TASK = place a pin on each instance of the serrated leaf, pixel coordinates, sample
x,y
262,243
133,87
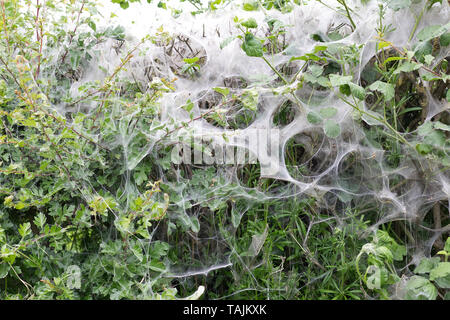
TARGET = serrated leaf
x,y
24,229
40,220
137,251
441,275
222,91
195,224
338,80
252,46
157,266
354,89
441,126
250,23
407,67
422,49
433,31
420,288
384,88
428,59
426,265
4,269
250,6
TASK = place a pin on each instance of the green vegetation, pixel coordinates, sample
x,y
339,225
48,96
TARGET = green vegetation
x,y
92,205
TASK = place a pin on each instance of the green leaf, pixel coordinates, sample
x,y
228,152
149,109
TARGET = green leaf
x,y
432,32
407,67
137,251
384,253
25,229
421,49
441,126
392,59
222,91
252,46
195,224
313,118
4,269
436,138
7,254
328,112
444,40
249,99
316,70
426,265
157,266
40,220
75,59
338,80
354,89
250,23
191,60
425,129
332,129
441,275
250,6
428,59
92,25
384,88
124,5
227,41
420,288
188,106
398,4
423,148
409,110
447,245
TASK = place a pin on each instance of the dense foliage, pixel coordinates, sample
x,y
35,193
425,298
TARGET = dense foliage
x,y
92,207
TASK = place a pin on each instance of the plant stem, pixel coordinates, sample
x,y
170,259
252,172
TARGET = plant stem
x,y
275,70
299,104
418,19
383,121
348,13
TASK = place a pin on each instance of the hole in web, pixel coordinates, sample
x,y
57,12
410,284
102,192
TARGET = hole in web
x,y
285,113
233,115
313,91
308,154
410,98
359,173
439,88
